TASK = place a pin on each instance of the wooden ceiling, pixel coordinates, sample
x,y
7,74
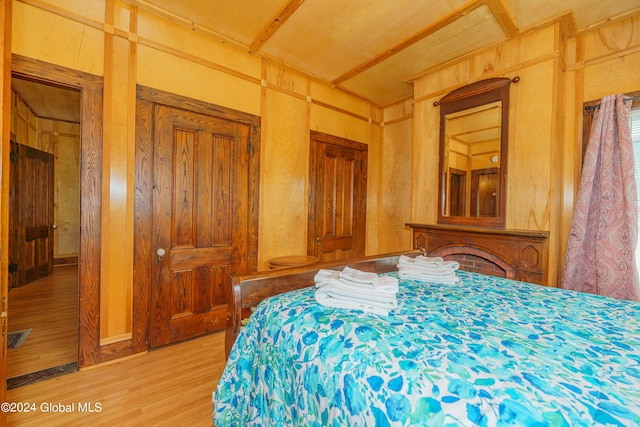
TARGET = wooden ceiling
x,y
372,48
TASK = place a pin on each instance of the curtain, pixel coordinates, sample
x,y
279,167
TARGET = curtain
x,y
600,257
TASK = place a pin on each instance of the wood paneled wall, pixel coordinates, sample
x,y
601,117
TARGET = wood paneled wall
x,y
558,71
128,46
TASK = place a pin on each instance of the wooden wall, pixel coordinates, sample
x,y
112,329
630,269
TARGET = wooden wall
x,y
559,70
128,46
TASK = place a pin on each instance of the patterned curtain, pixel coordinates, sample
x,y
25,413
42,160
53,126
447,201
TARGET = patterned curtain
x,y
600,257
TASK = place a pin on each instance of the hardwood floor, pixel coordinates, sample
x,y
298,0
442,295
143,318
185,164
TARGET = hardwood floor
x,y
170,386
49,306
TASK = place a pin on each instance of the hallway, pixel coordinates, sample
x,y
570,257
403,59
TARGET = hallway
x,y
49,306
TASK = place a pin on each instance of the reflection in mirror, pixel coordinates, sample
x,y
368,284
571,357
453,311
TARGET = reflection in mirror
x,y
473,153
472,161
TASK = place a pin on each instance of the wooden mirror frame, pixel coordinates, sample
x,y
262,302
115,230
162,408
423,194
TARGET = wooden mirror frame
x,y
470,96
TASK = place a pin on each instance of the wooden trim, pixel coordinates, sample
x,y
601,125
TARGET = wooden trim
x,y
65,260
275,24
158,96
502,15
142,247
91,88
438,25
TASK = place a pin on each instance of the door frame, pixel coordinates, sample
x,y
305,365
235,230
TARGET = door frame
x,y
146,99
91,99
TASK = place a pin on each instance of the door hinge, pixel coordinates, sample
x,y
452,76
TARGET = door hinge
x,y
13,268
14,157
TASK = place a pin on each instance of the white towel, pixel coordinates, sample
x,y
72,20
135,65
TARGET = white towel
x,y
361,277
386,284
415,274
355,290
432,271
426,269
339,296
427,263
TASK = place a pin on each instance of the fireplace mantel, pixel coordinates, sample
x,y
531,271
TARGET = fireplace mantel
x,y
515,254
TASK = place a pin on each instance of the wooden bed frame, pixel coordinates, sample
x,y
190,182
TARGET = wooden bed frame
x,y
249,289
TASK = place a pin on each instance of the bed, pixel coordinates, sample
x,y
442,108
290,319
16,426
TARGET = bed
x,y
485,351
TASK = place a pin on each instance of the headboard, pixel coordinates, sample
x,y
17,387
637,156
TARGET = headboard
x,y
249,289
514,254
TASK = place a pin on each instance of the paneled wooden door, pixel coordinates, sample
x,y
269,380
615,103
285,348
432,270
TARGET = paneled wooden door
x,y
337,197
200,194
31,214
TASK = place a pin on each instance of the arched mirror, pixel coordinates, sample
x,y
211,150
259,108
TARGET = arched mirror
x,y
474,133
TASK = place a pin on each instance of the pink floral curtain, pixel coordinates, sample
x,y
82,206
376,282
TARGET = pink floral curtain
x,y
600,257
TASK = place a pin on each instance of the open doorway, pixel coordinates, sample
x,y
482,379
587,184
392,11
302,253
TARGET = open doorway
x,y
44,231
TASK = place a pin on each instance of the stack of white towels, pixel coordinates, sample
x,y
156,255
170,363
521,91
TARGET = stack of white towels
x,y
355,289
428,269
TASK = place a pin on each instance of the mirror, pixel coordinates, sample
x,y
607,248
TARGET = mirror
x,y
473,154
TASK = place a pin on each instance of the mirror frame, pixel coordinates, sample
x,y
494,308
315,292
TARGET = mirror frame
x,y
470,96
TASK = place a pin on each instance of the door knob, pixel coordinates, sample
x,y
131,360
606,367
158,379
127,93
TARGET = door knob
x,y
317,240
161,253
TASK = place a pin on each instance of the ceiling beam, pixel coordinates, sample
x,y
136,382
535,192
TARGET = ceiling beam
x,y
274,25
438,25
502,15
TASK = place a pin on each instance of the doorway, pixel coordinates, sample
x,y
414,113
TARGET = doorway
x,y
44,231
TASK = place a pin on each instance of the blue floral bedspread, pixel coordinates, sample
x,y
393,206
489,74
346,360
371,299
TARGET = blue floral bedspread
x,y
486,351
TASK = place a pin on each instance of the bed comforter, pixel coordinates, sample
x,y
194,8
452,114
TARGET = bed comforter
x,y
486,351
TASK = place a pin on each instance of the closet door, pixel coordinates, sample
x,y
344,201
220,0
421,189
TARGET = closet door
x,y
200,195
337,198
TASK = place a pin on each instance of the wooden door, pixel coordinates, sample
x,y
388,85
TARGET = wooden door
x,y
31,214
200,221
337,198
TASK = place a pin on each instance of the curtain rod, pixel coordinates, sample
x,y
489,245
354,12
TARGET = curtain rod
x,y
593,107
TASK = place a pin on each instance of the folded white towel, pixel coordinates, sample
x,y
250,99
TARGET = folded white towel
x,y
433,271
385,285
358,290
427,260
337,296
431,265
361,277
416,274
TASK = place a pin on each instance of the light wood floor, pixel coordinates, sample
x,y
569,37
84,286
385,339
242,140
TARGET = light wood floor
x,y
49,306
171,386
